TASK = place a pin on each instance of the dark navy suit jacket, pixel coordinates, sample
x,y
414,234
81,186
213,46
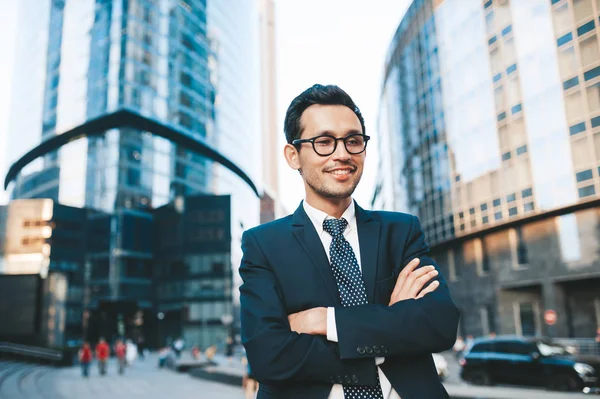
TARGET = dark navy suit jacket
x,y
285,270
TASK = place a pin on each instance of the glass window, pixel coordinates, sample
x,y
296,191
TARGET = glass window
x,y
497,77
512,211
578,128
492,40
482,347
507,30
590,53
595,121
526,193
514,347
567,84
506,156
586,191
564,39
593,95
511,69
501,116
592,73
484,220
522,150
516,108
582,9
498,215
522,256
511,197
472,211
497,202
585,28
584,175
483,207
528,207
487,4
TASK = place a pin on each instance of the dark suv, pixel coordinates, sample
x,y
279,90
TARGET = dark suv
x,y
528,361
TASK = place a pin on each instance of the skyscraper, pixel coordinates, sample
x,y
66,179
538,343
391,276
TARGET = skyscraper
x,y
490,118
123,106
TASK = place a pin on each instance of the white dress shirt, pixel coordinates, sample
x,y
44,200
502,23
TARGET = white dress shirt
x,y
317,218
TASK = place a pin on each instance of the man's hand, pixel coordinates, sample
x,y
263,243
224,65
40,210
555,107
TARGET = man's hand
x,y
312,321
410,282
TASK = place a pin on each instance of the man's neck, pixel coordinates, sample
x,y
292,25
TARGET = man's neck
x,y
332,206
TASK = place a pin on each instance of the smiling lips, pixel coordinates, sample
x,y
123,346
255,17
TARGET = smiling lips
x,y
341,173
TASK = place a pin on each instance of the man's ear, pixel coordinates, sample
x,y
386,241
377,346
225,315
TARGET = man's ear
x,y
291,156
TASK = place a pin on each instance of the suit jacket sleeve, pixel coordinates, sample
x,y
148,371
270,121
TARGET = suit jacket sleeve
x,y
409,327
275,353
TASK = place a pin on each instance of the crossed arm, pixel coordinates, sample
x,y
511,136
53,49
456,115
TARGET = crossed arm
x,y
418,319
275,352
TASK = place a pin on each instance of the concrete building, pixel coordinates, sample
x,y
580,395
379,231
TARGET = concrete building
x,y
490,123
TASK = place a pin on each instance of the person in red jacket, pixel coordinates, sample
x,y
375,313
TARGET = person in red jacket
x,y
85,358
102,353
121,352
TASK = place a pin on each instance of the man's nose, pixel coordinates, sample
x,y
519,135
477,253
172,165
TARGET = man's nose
x,y
341,152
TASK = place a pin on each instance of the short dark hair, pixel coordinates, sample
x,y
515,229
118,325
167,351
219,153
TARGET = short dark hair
x,y
317,94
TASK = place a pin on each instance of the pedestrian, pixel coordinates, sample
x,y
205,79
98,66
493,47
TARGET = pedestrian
x,y
163,355
141,342
102,354
459,346
334,294
195,352
131,352
249,384
85,358
121,353
178,346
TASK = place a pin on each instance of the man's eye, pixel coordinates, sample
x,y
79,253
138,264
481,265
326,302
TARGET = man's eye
x,y
323,142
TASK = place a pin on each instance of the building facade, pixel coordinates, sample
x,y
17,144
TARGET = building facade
x,y
490,126
126,106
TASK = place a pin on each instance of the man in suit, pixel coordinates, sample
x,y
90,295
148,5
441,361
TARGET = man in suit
x,y
339,302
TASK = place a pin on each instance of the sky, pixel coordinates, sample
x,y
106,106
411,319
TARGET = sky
x,y
342,42
8,23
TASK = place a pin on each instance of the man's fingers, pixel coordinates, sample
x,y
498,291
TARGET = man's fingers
x,y
432,287
420,281
404,274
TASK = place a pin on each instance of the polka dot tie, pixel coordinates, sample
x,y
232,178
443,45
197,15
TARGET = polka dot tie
x,y
351,288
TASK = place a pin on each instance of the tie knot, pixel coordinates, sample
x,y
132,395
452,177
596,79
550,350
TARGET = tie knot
x,y
335,227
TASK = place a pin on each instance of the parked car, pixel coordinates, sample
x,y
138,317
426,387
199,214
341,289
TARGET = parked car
x,y
441,366
528,361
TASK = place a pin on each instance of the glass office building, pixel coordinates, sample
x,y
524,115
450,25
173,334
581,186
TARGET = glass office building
x,y
490,126
124,106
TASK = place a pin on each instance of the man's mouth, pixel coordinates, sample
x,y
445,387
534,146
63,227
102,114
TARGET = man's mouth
x,y
341,171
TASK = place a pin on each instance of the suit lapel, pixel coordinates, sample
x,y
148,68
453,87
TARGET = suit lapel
x,y
368,239
307,236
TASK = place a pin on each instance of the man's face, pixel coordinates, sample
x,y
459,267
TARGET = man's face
x,y
334,176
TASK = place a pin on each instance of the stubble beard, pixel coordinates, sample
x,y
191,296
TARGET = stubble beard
x,y
323,191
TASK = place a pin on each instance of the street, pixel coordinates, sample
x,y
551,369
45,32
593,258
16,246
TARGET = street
x,y
144,379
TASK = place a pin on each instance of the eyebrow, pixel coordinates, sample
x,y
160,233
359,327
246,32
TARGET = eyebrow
x,y
329,133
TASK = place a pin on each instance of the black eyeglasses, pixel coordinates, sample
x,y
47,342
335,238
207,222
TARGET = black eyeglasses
x,y
326,145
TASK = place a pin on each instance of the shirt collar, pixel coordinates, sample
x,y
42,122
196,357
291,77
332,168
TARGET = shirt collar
x,y
317,217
